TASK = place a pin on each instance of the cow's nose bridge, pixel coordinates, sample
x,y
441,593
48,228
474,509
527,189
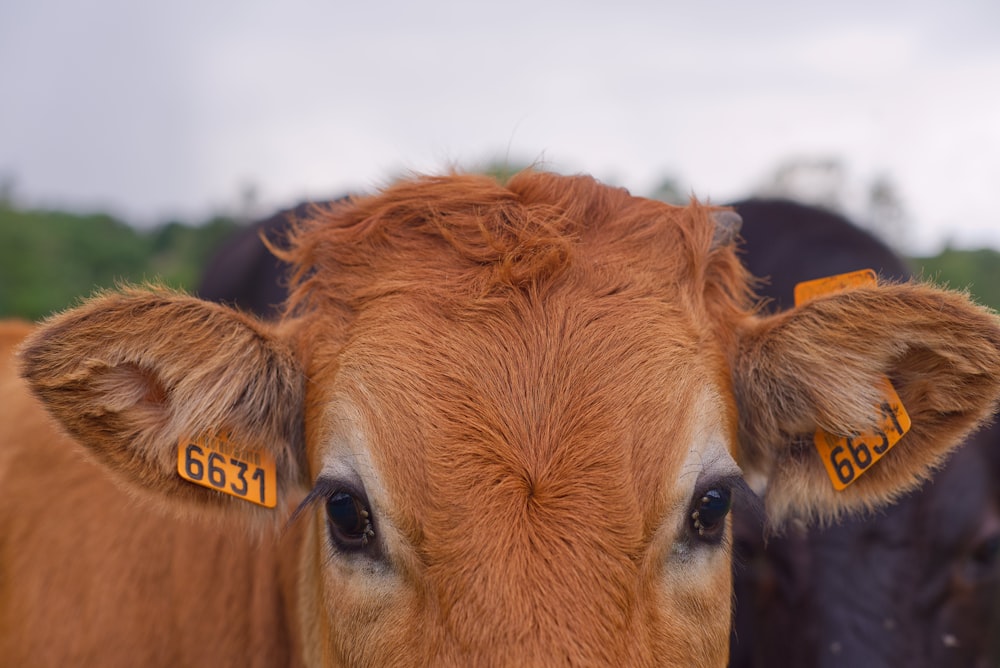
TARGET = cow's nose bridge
x,y
549,613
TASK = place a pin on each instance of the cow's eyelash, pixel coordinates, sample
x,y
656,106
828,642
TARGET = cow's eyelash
x,y
323,489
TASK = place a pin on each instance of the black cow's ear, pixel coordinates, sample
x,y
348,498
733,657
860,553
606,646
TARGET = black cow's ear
x,y
728,224
132,375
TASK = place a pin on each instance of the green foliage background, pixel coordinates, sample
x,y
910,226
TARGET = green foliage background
x,y
977,270
50,259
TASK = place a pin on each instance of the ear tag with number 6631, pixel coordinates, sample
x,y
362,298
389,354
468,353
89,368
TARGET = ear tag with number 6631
x,y
212,462
847,458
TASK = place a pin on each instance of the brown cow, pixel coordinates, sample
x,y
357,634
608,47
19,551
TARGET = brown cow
x,y
510,419
928,591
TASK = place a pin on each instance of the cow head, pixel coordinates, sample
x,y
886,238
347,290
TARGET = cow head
x,y
513,419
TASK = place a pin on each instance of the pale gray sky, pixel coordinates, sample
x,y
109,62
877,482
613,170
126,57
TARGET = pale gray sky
x,y
164,109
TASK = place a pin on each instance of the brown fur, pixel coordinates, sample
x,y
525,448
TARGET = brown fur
x,y
527,381
940,354
92,579
226,371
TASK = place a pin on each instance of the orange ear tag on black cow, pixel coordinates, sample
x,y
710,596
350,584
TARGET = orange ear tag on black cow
x,y
212,462
847,458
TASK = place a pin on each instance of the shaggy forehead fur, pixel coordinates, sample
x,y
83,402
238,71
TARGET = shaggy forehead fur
x,y
470,243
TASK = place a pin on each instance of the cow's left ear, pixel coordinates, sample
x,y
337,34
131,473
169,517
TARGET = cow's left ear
x,y
129,374
823,365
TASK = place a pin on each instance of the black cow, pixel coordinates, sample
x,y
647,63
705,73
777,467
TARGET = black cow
x,y
244,273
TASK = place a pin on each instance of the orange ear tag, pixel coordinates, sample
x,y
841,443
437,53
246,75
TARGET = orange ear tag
x,y
846,458
212,462
807,290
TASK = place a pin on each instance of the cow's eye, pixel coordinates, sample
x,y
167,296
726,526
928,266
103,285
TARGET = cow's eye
x,y
708,513
350,521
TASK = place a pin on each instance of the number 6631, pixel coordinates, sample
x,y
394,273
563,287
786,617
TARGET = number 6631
x,y
225,473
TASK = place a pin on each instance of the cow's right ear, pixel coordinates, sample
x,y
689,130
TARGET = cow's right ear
x,y
824,365
129,374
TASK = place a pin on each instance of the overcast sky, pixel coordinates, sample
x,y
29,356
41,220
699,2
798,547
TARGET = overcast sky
x,y
170,109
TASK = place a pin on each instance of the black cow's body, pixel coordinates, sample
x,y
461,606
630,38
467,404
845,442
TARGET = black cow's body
x,y
244,273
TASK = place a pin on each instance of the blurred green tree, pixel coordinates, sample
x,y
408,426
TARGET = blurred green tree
x,y
49,259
